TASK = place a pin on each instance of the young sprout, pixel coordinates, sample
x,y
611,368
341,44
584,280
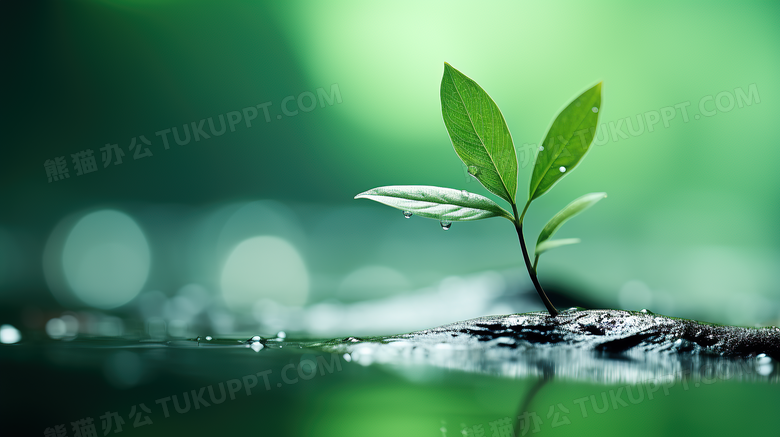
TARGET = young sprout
x,y
482,141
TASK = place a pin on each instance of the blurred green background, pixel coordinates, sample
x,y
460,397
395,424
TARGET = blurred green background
x,y
689,227
257,228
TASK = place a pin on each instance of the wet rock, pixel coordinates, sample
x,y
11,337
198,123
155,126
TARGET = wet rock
x,y
603,346
615,331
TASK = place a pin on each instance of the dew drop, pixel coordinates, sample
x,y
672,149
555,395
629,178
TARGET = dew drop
x,y
562,169
473,170
257,346
445,224
594,109
407,214
256,338
281,334
541,148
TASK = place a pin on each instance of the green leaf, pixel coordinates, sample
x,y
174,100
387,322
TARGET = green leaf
x,y
580,204
546,245
479,133
436,202
567,141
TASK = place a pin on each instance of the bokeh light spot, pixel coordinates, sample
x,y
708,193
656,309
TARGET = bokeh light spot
x,y
9,334
264,267
105,259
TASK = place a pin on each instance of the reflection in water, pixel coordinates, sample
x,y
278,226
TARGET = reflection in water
x,y
494,358
526,403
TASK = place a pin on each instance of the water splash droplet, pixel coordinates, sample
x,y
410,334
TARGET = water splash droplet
x,y
562,169
347,357
764,365
209,338
594,109
473,170
445,224
408,214
257,346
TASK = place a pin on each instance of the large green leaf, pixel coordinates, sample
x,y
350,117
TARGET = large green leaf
x,y
436,202
572,209
479,133
566,142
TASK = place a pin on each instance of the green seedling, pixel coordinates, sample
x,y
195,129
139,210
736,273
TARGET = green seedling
x,y
482,141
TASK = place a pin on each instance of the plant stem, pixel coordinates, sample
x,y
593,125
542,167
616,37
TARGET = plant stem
x,y
520,220
531,270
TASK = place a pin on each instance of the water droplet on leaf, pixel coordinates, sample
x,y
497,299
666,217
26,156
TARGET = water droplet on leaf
x,y
594,109
257,346
407,214
541,148
445,224
281,334
473,170
562,169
